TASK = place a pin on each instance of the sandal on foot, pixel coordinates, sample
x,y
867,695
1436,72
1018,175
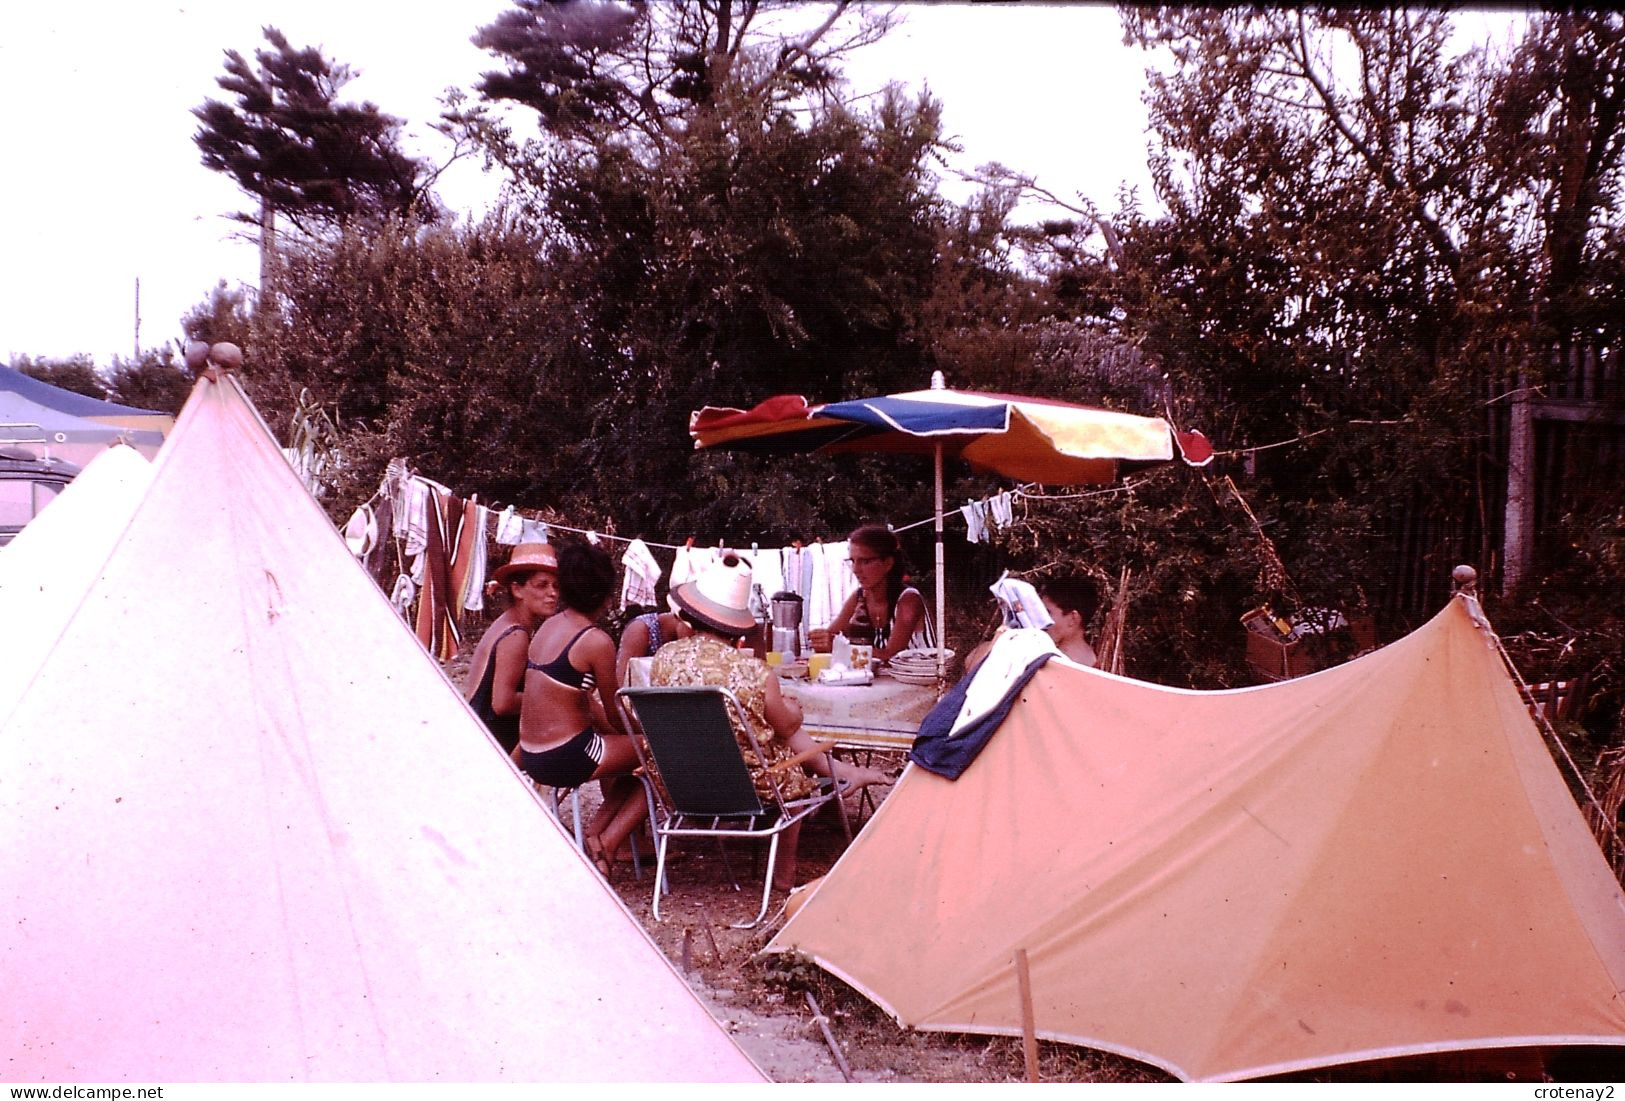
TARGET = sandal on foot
x,y
595,853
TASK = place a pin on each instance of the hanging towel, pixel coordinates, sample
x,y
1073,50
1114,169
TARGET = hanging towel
x,y
532,531
1001,510
412,513
451,534
688,564
642,575
767,571
975,524
818,612
468,564
1020,603
831,583
843,582
435,629
510,528
790,567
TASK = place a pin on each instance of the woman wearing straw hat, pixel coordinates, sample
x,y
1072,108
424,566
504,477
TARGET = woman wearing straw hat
x,y
717,606
569,727
529,581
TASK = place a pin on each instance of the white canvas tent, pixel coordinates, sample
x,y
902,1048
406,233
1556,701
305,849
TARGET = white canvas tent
x,y
1378,860
249,831
50,563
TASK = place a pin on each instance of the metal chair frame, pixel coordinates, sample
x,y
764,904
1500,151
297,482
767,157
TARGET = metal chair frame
x,y
716,795
556,796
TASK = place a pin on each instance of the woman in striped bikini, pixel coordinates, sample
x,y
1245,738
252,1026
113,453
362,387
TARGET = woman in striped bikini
x,y
570,731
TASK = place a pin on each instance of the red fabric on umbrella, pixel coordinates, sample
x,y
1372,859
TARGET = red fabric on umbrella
x,y
780,407
1195,448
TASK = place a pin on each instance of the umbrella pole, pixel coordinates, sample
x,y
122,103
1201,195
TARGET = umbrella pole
x,y
942,598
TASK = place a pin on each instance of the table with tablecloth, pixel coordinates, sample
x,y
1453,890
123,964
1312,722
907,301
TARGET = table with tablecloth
x,y
882,715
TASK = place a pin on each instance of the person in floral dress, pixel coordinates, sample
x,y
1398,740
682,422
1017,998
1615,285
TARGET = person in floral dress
x,y
716,606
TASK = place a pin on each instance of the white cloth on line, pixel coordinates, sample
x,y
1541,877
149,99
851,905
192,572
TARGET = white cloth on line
x,y
510,527
400,597
689,563
1002,509
361,531
831,582
790,568
642,574
975,521
767,570
478,562
412,513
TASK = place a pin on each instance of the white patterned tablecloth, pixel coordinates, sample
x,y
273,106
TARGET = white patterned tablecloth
x,y
882,715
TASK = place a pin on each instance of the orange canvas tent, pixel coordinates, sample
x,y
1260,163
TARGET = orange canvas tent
x,y
1377,860
250,832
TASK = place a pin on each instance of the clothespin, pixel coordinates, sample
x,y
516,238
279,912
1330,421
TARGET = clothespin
x,y
592,537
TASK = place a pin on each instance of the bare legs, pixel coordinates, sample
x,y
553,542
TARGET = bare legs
x,y
849,774
624,808
784,868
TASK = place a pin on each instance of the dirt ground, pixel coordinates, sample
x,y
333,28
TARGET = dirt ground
x,y
764,1001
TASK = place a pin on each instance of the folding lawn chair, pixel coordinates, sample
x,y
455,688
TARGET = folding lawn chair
x,y
702,785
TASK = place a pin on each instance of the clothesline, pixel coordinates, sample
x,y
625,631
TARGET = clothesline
x,y
1307,436
592,534
1128,486
429,550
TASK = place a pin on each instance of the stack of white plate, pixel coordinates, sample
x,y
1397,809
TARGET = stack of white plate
x,y
917,666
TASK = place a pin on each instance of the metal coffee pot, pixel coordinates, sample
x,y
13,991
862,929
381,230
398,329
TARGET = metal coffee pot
x,y
786,619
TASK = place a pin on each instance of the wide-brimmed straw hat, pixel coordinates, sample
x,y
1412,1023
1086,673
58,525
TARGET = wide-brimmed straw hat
x,y
720,596
527,558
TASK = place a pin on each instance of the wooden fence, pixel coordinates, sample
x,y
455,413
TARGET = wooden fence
x,y
1579,419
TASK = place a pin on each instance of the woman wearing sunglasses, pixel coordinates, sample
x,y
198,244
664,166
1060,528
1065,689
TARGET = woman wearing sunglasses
x,y
886,611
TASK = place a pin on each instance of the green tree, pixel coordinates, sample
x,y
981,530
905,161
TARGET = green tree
x,y
77,373
153,381
1358,227
450,346
289,142
227,314
728,229
1370,232
641,76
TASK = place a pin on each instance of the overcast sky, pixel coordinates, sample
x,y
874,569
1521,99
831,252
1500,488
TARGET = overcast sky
x,y
102,186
